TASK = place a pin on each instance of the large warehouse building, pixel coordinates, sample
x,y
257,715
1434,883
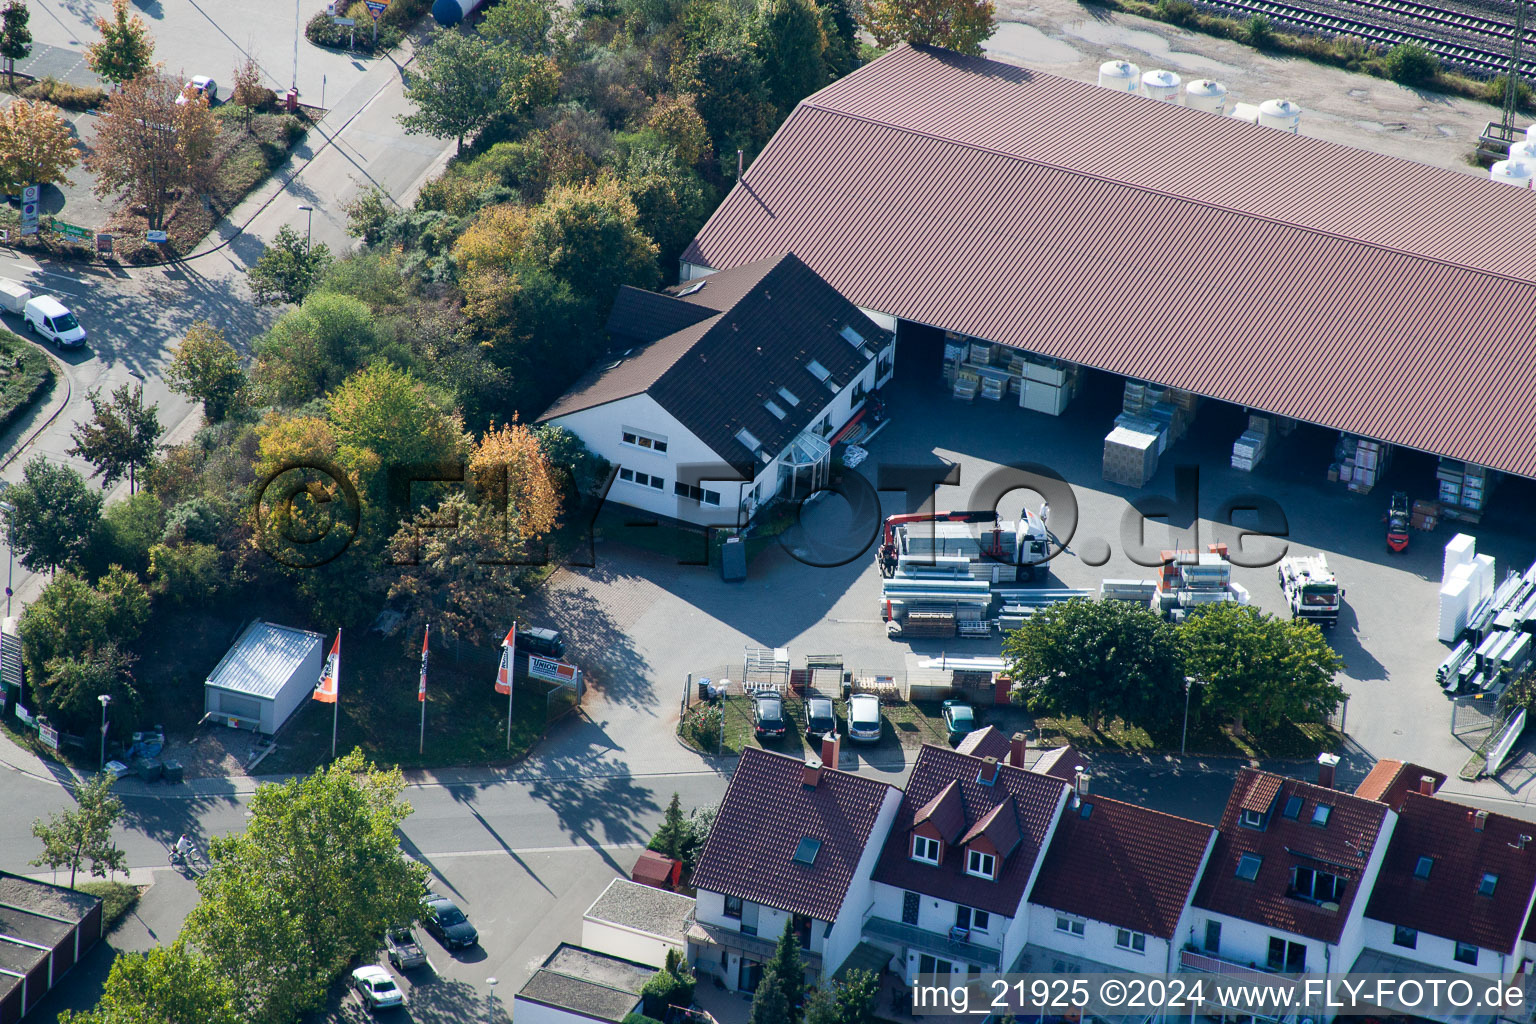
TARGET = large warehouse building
x,y
1312,281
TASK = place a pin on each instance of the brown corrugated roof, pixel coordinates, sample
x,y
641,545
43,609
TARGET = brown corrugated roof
x,y
1447,903
766,812
768,321
1288,274
1341,847
1125,865
1391,781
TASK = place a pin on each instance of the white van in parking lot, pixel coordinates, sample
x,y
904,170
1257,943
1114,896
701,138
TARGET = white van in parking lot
x,y
48,317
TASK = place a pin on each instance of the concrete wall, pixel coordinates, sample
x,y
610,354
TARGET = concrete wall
x,y
626,943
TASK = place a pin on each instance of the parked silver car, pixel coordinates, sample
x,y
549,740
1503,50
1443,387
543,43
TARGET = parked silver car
x,y
864,718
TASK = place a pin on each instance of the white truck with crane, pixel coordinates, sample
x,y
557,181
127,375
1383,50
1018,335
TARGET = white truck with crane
x,y
1009,551
1311,589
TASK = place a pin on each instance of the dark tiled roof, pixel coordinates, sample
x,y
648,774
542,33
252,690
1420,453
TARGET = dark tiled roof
x,y
1447,903
1034,798
1059,762
767,321
767,810
985,742
639,316
1012,205
1391,781
1000,827
1342,847
1125,865
946,812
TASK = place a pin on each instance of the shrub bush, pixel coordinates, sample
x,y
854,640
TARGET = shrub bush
x,y
1258,32
62,94
701,726
1176,12
189,574
1412,65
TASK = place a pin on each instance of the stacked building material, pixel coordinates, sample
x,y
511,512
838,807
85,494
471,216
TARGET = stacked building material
x,y
1130,457
1464,489
1047,386
1252,445
1187,579
1018,604
1142,592
1425,515
1458,591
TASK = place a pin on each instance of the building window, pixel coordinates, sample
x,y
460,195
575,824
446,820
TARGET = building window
x,y
859,391
733,907
852,336
1316,886
1290,957
883,367
698,494
910,903
650,480
1248,866
627,474
1408,937
801,926
650,442
1253,819
1293,808
1213,937
788,396
1136,942
1070,925
1422,868
1487,885
925,849
1320,815
982,865
972,919
774,408
818,371
1466,953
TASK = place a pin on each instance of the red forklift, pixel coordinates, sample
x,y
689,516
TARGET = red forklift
x,y
1397,523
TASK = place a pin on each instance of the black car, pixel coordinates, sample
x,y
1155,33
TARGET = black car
x,y
820,720
768,715
446,923
546,643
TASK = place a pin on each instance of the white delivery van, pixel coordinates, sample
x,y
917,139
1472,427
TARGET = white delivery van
x,y
51,319
13,295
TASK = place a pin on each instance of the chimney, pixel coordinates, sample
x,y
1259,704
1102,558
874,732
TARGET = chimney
x,y
831,750
1081,775
1427,785
988,773
1480,821
740,162
1327,764
810,775
1017,750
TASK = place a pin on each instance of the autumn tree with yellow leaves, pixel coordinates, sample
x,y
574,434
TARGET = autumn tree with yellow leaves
x,y
36,147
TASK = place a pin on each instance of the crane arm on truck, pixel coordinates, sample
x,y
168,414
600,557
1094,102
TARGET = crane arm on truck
x,y
887,554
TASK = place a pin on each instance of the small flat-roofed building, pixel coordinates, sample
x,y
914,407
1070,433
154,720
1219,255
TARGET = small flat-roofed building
x,y
577,985
265,677
44,930
637,922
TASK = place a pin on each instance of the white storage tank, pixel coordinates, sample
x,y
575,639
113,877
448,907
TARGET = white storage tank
x,y
1281,114
1513,172
1524,150
1160,85
1207,95
1119,75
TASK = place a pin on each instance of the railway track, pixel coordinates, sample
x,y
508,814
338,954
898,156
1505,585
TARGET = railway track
x,y
1475,42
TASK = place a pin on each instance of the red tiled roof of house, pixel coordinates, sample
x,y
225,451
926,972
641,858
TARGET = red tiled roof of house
x,y
1261,791
946,812
1447,903
1033,211
1390,781
985,742
1000,827
766,812
1059,762
1341,847
1128,866
1035,799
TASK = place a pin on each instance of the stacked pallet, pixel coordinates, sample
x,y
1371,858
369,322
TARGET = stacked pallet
x,y
1458,590
966,385
1464,489
1361,462
1425,516
1169,409
1252,445
1130,457
1142,592
1047,386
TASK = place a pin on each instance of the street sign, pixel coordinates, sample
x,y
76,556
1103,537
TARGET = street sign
x,y
31,195
158,237
72,230
377,8
344,22
49,735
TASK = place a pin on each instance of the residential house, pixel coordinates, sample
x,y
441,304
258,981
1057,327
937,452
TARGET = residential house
x,y
1391,781
1115,889
1286,885
793,842
730,390
1454,893
964,850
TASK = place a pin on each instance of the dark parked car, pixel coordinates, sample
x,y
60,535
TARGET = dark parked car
x,y
546,643
446,923
959,719
768,714
820,720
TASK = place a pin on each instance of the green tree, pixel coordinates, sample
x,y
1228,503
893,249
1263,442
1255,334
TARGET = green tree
x,y
729,93
287,269
312,882
56,516
849,1001
465,80
15,36
769,1005
668,840
961,25
1097,659
1412,64
381,416
589,237
128,529
671,204
83,833
789,36
1260,669
72,683
671,986
522,25
148,145
68,642
788,969
841,28
125,50
165,985
312,349
206,368
120,436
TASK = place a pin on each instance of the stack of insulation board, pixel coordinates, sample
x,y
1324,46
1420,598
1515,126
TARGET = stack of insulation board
x,y
1047,386
1363,461
1458,589
1142,592
1249,449
1464,489
1020,603
1145,425
1130,457
965,598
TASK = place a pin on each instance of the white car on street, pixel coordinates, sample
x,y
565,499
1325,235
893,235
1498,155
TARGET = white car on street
x,y
376,988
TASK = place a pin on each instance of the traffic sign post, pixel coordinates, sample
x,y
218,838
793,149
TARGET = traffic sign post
x,y
30,197
377,9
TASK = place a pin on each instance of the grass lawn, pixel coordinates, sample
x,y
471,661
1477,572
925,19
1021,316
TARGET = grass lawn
x,y
907,726
25,376
117,898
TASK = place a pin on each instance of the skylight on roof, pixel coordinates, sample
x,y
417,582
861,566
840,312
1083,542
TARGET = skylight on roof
x,y
692,288
818,371
788,396
1422,868
773,407
1489,882
1248,866
1086,809
806,852
745,437
851,336
1320,815
1293,807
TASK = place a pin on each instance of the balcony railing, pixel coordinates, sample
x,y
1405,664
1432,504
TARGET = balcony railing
x,y
936,943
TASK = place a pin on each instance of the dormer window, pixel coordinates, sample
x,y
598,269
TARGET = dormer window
x,y
925,849
1316,886
788,396
1253,819
749,442
982,865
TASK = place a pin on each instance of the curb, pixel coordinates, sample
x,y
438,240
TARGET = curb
x,y
58,369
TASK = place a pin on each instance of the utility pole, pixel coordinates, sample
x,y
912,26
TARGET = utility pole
x,y
1512,84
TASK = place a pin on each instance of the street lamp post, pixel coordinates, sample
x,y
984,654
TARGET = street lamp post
x,y
105,698
132,483
10,545
490,1006
309,229
1190,682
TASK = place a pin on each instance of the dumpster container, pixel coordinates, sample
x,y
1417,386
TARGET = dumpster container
x,y
174,772
151,771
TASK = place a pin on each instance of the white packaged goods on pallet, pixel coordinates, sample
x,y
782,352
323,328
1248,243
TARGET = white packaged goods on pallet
x,y
1455,604
1052,375
1046,398
1461,549
1258,424
1483,573
1130,457
1239,593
